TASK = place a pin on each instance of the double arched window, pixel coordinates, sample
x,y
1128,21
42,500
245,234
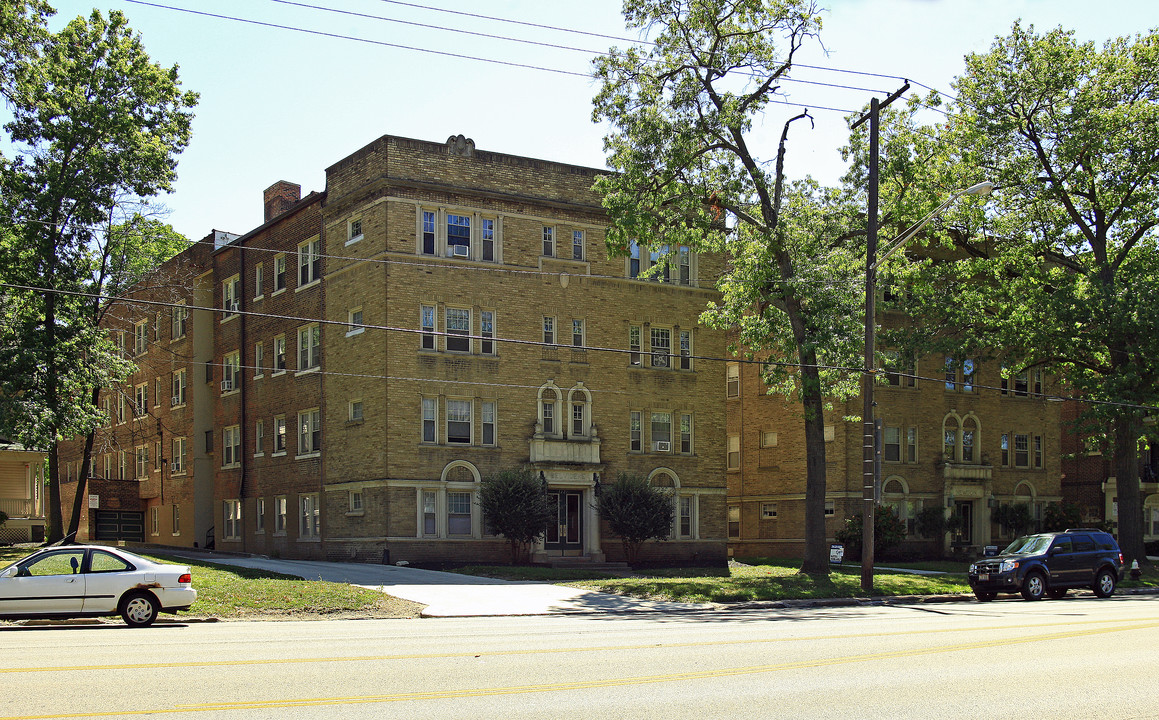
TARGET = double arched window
x,y
962,438
561,415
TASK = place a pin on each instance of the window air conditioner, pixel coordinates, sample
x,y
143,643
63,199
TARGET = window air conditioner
x,y
176,401
226,385
663,446
233,306
461,250
175,467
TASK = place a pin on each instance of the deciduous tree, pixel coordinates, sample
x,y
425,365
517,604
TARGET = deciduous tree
x,y
95,122
516,506
695,170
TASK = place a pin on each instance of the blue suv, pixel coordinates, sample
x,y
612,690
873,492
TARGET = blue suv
x,y
1050,564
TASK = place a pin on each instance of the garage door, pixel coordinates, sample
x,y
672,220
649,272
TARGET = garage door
x,y
115,525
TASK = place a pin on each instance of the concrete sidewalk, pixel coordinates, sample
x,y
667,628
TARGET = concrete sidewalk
x,y
450,594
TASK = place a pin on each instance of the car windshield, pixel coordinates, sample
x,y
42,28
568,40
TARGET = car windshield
x,y
1027,545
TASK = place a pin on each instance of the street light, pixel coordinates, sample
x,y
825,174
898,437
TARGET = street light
x,y
869,434
982,188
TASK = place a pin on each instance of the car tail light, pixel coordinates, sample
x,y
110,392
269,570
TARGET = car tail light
x,y
186,578
1120,558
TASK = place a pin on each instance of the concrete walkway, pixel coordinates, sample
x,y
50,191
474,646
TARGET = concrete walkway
x,y
450,594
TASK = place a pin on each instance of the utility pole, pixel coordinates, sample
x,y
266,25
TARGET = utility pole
x,y
869,435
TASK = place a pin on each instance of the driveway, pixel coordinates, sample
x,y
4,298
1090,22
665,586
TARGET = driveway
x,y
450,594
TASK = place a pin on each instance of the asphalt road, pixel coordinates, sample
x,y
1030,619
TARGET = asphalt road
x,y
1078,657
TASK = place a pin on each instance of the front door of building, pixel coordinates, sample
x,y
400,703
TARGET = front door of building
x,y
565,535
964,535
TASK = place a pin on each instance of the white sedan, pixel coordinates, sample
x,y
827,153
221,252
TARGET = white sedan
x,y
91,581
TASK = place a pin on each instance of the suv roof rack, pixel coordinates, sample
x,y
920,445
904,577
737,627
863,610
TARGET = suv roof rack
x,y
1083,530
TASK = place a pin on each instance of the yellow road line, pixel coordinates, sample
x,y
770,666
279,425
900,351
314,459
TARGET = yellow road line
x,y
592,684
538,651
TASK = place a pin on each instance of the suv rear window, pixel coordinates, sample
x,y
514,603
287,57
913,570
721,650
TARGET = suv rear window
x,y
1083,543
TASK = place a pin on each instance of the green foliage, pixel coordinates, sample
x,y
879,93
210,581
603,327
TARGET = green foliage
x,y
22,31
931,523
683,115
96,127
637,511
1015,518
888,532
515,505
1058,516
1062,270
3,518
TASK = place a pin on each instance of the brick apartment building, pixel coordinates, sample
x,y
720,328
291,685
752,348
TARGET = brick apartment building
x,y
1088,479
346,374
964,441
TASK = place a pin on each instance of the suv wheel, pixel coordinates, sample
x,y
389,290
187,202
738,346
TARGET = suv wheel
x,y
1105,583
1034,587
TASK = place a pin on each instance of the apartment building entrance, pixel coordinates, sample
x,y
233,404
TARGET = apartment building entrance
x,y
565,536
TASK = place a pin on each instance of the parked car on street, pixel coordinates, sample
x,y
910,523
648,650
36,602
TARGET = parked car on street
x,y
1050,564
91,581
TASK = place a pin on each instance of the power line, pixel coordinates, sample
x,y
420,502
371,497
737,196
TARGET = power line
x,y
555,346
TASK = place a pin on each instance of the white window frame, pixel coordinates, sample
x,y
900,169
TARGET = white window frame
x,y
259,281
455,414
309,348
658,445
260,516
548,241
278,361
281,514
660,353
231,372
768,511
354,411
231,446
354,322
279,436
231,520
309,263
279,274
230,297
460,334
578,333
354,230
141,462
180,319
309,517
733,452
489,414
487,332
429,421
732,380
140,337
577,245
180,388
309,433
428,327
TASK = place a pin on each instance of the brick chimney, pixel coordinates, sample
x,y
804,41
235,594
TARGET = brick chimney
x,y
279,197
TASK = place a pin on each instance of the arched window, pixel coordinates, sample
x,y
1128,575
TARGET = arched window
x,y
895,495
579,402
550,410
961,438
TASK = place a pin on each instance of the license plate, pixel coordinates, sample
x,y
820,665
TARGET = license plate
x,y
983,576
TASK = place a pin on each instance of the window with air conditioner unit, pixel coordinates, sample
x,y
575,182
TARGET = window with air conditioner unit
x,y
458,251
663,446
226,385
175,401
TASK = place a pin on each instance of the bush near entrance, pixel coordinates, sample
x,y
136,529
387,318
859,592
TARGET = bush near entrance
x,y
637,511
888,531
516,505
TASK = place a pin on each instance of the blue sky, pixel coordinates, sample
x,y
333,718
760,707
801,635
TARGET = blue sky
x,y
280,104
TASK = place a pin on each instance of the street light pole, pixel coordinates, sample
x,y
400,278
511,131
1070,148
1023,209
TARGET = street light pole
x,y
872,261
869,441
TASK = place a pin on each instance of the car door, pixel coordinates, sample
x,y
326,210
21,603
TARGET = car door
x,y
46,584
1060,560
107,577
1085,560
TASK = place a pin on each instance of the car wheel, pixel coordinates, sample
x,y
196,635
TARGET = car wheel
x,y
1056,593
984,596
139,609
1105,583
1034,587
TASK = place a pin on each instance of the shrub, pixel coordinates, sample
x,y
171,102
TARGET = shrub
x,y
636,511
1060,517
516,506
1015,517
888,531
931,523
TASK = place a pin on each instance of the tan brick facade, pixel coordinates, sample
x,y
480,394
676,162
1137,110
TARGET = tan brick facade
x,y
968,476
539,350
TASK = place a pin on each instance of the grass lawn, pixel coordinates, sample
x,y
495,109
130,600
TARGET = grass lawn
x,y
754,579
234,593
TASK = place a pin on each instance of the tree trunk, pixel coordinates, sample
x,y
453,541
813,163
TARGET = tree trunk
x,y
1128,428
85,470
816,550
